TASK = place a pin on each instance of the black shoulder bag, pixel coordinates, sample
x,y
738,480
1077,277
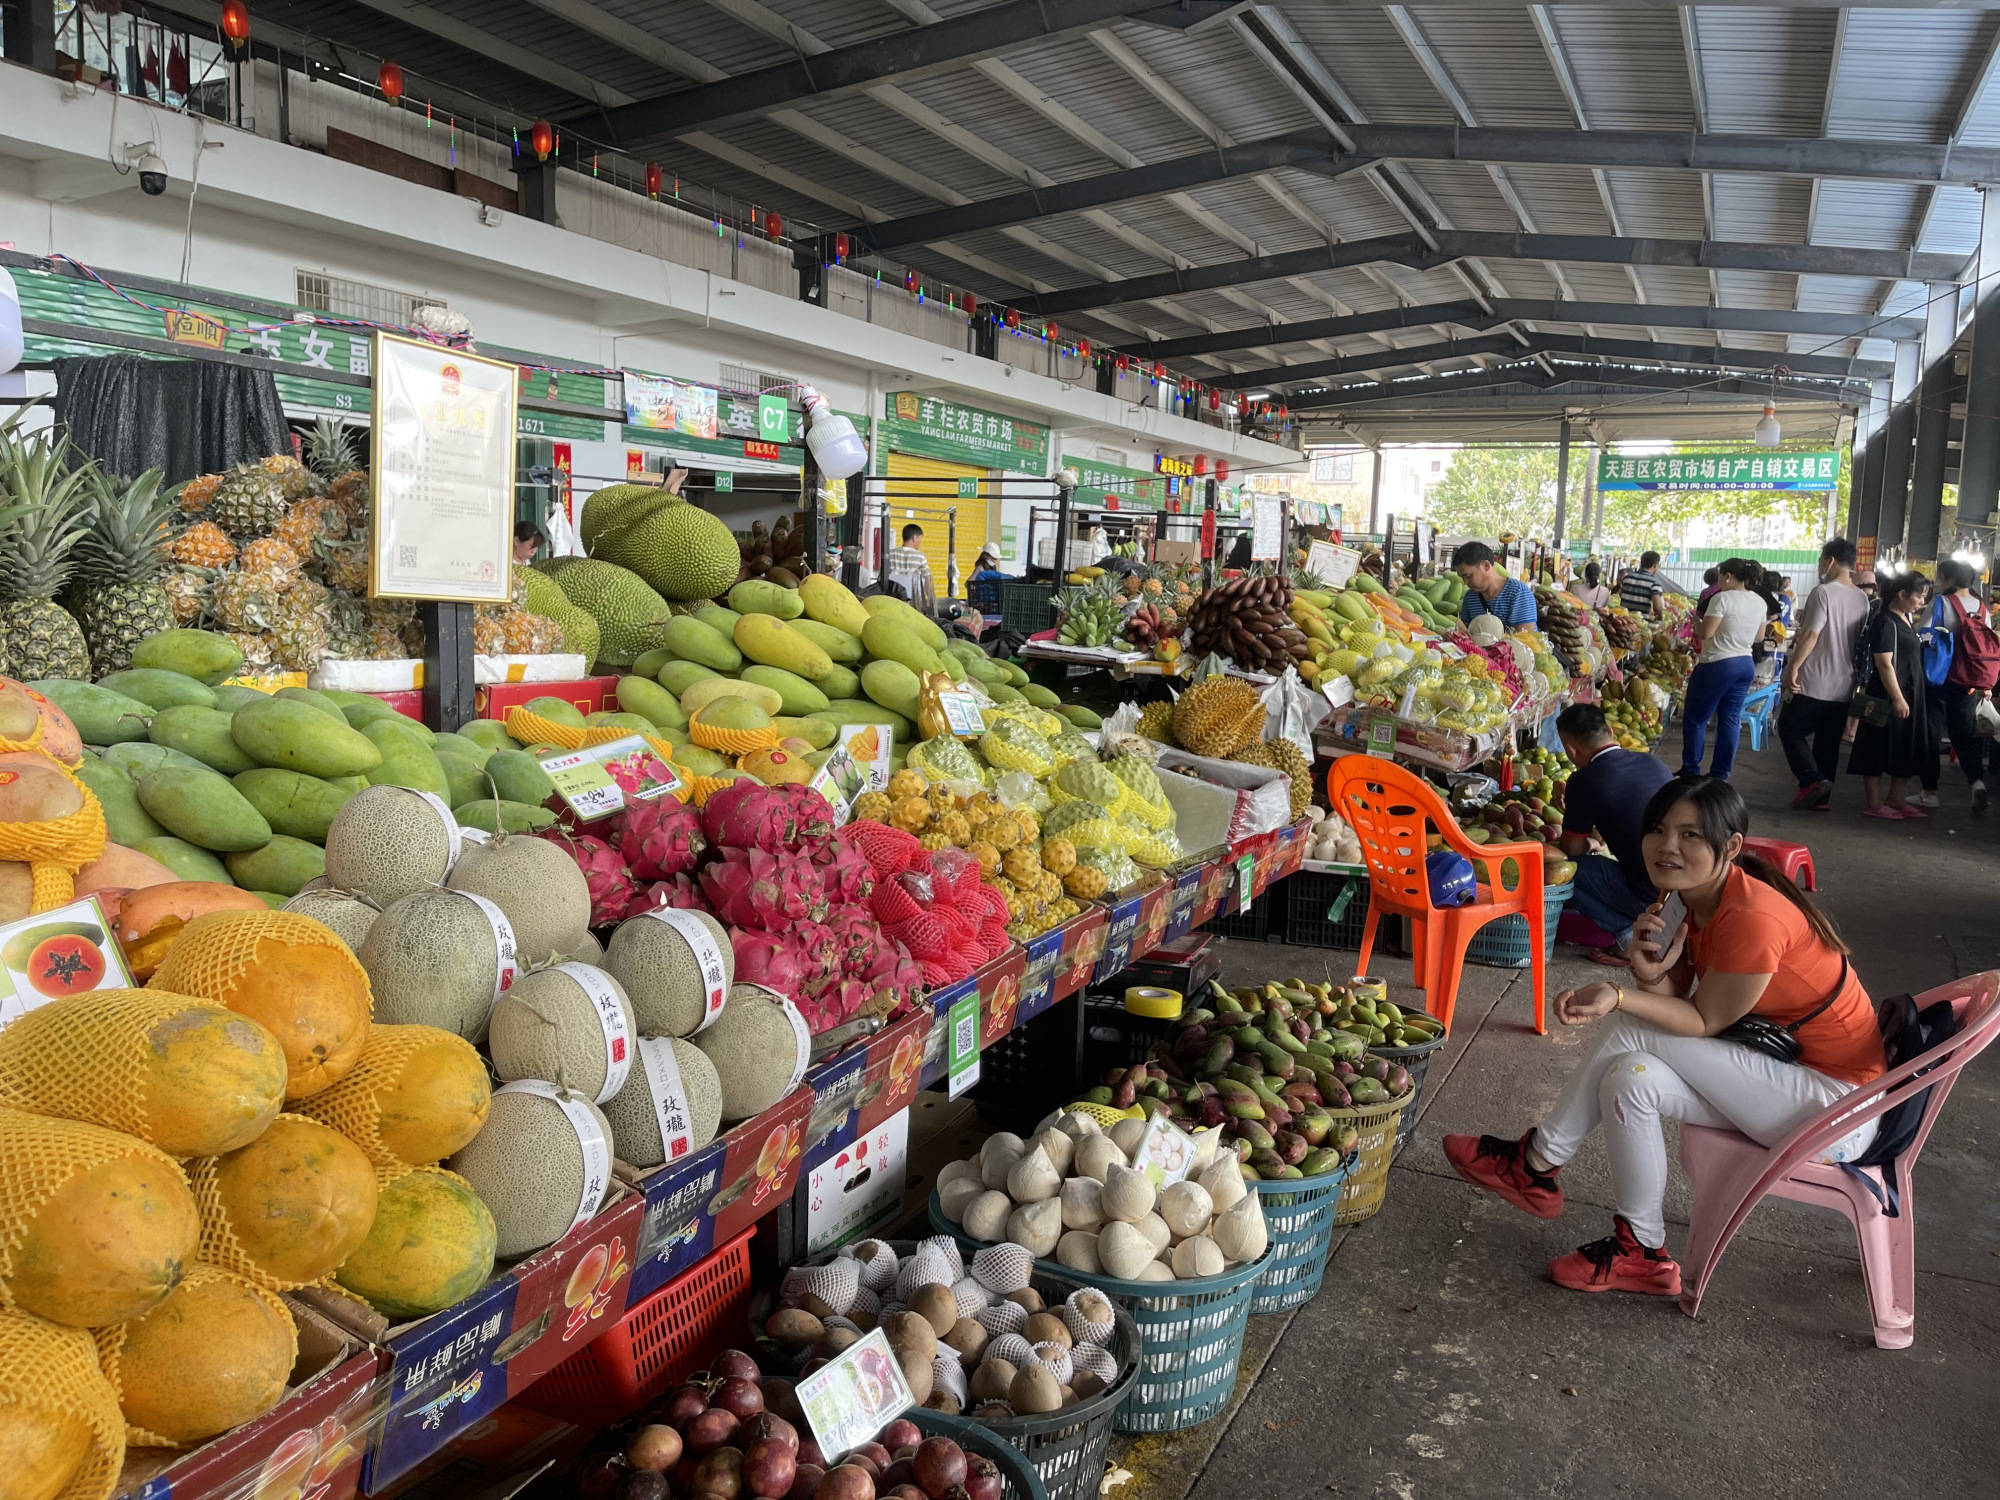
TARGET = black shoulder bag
x,y
1780,1043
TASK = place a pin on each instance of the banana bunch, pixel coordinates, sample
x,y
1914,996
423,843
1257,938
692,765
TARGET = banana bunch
x,y
1089,619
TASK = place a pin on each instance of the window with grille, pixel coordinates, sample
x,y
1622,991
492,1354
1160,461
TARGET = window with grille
x,y
743,380
341,297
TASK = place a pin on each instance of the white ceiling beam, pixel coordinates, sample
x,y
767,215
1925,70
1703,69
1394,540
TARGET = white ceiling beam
x,y
626,37
521,59
1982,84
1698,94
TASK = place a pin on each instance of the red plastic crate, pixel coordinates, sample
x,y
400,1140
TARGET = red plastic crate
x,y
677,1329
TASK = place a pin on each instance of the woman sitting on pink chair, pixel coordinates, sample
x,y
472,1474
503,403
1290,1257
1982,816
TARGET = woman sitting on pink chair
x,y
1734,967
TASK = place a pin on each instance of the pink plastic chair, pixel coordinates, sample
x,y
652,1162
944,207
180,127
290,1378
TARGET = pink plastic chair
x,y
1731,1173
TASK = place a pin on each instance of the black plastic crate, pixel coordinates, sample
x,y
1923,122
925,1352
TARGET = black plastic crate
x,y
1027,607
1257,923
1312,896
1112,1036
1033,1069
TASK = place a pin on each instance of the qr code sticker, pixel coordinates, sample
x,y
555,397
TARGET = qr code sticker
x,y
967,1037
406,557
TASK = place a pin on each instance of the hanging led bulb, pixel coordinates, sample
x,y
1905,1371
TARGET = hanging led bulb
x,y
1766,432
836,447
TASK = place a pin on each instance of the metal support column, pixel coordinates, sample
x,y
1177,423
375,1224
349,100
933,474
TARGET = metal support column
x,y
1892,501
1979,453
1375,493
31,34
1864,488
1593,498
448,676
1934,394
538,190
1562,482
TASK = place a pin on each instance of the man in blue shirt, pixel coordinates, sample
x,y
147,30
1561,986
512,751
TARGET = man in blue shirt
x,y
1488,591
1607,794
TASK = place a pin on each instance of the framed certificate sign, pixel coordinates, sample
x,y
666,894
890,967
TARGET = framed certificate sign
x,y
442,461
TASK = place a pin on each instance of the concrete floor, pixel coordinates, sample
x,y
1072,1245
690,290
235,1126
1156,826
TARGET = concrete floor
x,y
1438,1361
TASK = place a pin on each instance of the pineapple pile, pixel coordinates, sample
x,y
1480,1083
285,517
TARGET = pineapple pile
x,y
1040,878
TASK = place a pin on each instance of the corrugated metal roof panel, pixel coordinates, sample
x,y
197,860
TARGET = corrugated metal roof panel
x,y
1362,50
1767,209
1877,215
1954,223
1659,204
1627,61
880,129
969,99
1765,70
1223,79
1351,205
708,33
1465,194
1496,60
1903,72
1672,284
838,23
1563,200
1074,232
1076,75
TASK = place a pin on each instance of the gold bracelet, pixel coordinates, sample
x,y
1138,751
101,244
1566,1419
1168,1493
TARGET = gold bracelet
x,y
1619,991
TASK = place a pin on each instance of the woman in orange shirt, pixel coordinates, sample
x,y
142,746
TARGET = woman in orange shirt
x,y
1752,943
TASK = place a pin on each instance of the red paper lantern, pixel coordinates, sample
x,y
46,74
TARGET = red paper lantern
x,y
1222,471
542,138
1200,464
841,245
910,281
1124,363
1214,399
1014,319
1159,372
1083,348
969,304
1049,332
389,79
653,180
773,226
236,25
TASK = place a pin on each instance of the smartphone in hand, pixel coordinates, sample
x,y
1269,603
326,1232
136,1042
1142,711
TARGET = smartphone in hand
x,y
1673,916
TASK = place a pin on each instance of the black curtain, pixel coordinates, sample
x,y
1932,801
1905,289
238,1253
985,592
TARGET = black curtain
x,y
184,417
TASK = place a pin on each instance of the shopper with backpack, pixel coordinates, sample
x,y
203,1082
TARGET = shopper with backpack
x,y
1746,1015
1819,676
1972,675
1934,634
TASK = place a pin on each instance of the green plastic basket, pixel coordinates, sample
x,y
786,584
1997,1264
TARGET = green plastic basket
x,y
1018,1479
1503,944
1299,1214
1190,1336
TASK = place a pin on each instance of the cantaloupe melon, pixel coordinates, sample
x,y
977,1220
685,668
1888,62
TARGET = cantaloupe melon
x,y
760,1046
100,1226
191,1077
62,1436
535,1169
653,957
437,958
649,1091
211,1357
285,971
537,885
570,1024
348,916
432,1245
417,1095
388,841
289,1207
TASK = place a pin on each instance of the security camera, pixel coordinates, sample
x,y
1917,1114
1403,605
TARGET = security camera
x,y
152,174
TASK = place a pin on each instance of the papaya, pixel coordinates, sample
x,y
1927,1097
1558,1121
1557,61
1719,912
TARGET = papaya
x,y
203,808
284,865
295,736
292,802
202,733
150,919
202,654
118,870
101,716
432,1244
213,1356
161,689
297,1201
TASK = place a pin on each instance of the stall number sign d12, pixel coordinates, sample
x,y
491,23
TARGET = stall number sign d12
x,y
774,419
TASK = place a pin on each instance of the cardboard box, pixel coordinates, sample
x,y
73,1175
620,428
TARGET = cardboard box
x,y
451,1369
1121,931
494,1459
999,985
721,1190
1155,908
311,1443
1218,890
1187,893
588,694
860,1088
1083,946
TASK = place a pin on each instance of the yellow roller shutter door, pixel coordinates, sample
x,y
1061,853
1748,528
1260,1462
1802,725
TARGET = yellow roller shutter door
x,y
930,505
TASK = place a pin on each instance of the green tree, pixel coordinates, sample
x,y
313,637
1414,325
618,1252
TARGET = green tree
x,y
1488,491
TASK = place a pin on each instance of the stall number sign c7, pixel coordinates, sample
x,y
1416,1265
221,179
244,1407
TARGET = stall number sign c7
x,y
54,954
600,780
854,1397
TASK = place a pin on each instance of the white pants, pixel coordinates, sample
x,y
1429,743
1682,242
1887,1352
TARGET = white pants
x,y
1636,1073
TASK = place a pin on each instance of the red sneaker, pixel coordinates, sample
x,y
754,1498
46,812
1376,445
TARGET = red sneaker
x,y
1617,1263
1501,1166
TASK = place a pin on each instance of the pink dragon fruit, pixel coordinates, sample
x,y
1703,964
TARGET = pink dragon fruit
x,y
610,883
661,839
822,949
747,815
682,891
773,962
763,892
858,937
844,871
851,998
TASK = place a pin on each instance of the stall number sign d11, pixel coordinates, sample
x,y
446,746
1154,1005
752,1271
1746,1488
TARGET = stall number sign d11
x,y
850,1400
600,780
54,954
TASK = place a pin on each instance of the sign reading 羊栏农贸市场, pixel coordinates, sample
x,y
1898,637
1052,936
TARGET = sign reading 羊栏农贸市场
x,y
1718,471
929,427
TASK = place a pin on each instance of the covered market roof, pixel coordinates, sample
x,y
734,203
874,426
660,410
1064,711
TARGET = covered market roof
x,y
1340,200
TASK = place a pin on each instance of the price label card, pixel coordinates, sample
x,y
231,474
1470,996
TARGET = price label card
x,y
854,1397
962,1043
1164,1153
963,714
600,780
858,1187
54,954
1246,870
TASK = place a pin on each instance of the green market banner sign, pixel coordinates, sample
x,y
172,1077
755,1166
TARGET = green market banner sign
x,y
297,348
1115,487
929,427
1719,471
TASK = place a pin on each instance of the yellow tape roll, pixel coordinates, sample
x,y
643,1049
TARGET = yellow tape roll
x,y
1159,1004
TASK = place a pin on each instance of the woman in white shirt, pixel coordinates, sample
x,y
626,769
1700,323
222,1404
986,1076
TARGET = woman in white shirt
x,y
1729,631
1590,588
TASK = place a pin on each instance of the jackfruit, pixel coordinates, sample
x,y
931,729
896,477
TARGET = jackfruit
x,y
629,614
679,549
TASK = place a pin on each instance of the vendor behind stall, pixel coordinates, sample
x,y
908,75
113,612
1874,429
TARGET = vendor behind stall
x,y
1605,796
1488,591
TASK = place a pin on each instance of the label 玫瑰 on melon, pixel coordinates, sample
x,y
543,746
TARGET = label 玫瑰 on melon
x,y
676,968
569,1024
541,1163
537,885
439,958
671,1103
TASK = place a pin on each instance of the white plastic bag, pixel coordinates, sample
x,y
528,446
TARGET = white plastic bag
x,y
1986,718
1291,710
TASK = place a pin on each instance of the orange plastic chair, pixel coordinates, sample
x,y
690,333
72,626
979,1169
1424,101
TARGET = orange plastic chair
x,y
1392,811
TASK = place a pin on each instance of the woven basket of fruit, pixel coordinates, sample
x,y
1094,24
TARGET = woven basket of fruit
x,y
1374,1148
